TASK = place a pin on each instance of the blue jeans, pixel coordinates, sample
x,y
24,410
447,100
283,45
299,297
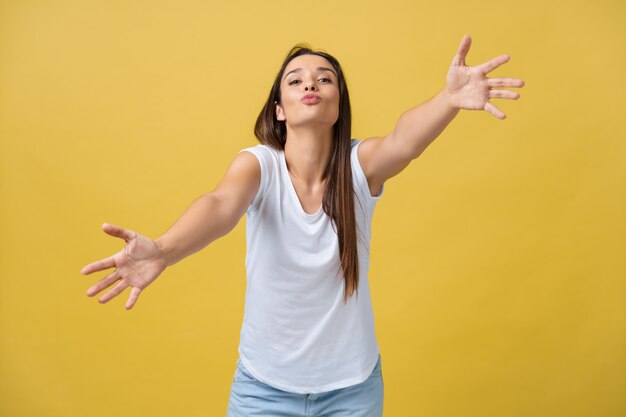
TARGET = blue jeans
x,y
250,397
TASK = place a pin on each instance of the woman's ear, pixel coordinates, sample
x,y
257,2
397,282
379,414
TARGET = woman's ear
x,y
280,115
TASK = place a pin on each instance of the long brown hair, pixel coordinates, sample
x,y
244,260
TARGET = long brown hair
x,y
338,202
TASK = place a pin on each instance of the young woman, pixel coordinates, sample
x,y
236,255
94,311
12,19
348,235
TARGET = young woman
x,y
308,345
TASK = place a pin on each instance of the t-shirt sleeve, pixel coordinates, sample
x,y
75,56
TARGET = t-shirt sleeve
x,y
263,156
360,179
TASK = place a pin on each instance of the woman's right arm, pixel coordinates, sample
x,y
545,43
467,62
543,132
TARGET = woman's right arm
x,y
209,217
214,214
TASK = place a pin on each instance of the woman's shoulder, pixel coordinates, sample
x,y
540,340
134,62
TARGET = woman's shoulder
x,y
262,149
267,155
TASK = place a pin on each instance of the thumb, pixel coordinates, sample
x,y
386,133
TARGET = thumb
x,y
461,53
118,232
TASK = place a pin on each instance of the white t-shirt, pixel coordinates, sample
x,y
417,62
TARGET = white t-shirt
x,y
297,334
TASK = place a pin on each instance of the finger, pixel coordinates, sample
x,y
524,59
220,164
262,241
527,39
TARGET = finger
x,y
132,298
489,66
115,291
461,53
99,265
119,232
494,110
505,82
503,94
104,283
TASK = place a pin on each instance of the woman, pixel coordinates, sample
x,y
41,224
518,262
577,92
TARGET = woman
x,y
308,345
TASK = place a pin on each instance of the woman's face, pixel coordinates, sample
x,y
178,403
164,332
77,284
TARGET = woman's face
x,y
305,75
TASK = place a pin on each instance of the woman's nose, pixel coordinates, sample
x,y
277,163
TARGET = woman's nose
x,y
309,86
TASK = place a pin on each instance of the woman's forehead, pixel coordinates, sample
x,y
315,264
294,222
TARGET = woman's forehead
x,y
308,61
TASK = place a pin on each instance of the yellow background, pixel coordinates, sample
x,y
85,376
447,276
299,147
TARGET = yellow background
x,y
498,256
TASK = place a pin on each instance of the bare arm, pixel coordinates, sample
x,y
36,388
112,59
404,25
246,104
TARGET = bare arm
x,y
214,214
209,217
466,88
385,157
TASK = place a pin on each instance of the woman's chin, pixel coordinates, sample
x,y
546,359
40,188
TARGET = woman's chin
x,y
313,120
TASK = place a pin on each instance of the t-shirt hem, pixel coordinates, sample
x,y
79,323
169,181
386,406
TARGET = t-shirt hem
x,y
311,389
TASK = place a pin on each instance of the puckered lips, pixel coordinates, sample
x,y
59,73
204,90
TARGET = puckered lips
x,y
310,99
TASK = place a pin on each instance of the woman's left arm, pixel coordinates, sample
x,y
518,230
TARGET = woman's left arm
x,y
467,88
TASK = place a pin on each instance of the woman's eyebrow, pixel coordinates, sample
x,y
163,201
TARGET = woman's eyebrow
x,y
318,68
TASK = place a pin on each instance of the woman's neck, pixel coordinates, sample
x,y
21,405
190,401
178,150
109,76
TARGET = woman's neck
x,y
307,151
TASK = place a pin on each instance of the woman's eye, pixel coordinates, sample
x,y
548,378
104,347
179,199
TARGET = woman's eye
x,y
328,80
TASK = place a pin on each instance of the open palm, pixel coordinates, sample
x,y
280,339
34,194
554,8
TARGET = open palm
x,y
137,265
470,89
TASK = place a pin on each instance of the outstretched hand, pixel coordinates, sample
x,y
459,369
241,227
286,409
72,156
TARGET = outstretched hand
x,y
137,265
470,89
